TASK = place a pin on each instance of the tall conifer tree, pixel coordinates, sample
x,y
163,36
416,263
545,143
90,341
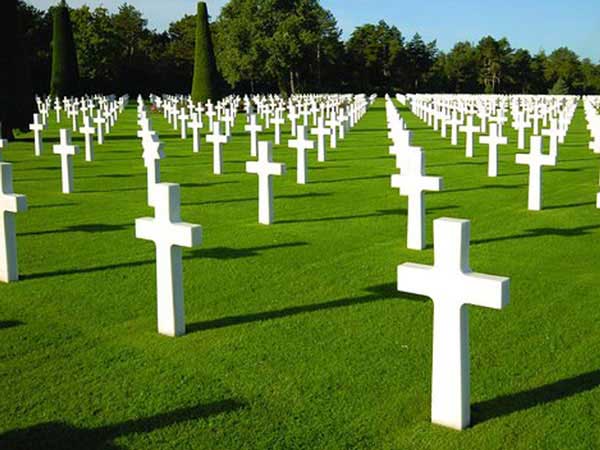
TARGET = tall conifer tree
x,y
204,85
65,72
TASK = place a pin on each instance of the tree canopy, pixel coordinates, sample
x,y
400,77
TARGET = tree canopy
x,y
291,46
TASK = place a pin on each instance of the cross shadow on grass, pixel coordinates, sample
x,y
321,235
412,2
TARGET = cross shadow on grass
x,y
51,205
222,253
63,436
378,213
511,403
343,180
375,293
4,324
571,205
118,189
486,186
214,183
84,228
540,232
253,199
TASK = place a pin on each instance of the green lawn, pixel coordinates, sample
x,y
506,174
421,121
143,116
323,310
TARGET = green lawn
x,y
297,337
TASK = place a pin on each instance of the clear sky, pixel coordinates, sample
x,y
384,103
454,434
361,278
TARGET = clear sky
x,y
530,24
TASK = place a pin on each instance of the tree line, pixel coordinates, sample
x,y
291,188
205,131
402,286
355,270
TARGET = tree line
x,y
290,46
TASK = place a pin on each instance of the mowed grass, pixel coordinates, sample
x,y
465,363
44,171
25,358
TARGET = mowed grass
x,y
297,337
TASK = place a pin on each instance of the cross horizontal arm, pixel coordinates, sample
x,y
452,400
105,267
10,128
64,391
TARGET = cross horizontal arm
x,y
415,279
488,291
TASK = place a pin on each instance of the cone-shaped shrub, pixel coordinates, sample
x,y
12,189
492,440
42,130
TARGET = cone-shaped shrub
x,y
204,85
65,73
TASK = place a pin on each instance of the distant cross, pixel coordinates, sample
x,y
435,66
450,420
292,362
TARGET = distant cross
x,y
413,183
293,117
196,125
493,140
452,286
302,145
146,131
10,204
454,123
265,168
152,154
217,139
402,147
66,151
342,123
469,129
229,119
210,113
321,131
554,133
535,116
57,108
278,120
444,129
37,127
520,124
88,131
535,159
253,128
74,114
169,234
100,121
183,117
594,145
332,124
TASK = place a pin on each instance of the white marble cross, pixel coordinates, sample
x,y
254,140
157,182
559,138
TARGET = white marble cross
x,y
454,123
278,120
452,286
293,117
412,183
265,168
169,234
152,154
217,140
469,129
493,140
183,117
253,128
66,151
196,125
332,124
535,159
554,133
88,131
302,145
37,127
210,113
520,124
321,131
10,204
100,121
402,148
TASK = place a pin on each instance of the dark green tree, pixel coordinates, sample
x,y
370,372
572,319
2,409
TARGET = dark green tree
x,y
204,84
493,62
16,97
375,53
462,70
65,71
420,58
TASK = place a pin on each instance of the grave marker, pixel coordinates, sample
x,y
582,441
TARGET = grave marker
x,y
452,286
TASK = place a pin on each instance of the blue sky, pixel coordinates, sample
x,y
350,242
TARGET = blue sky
x,y
530,24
